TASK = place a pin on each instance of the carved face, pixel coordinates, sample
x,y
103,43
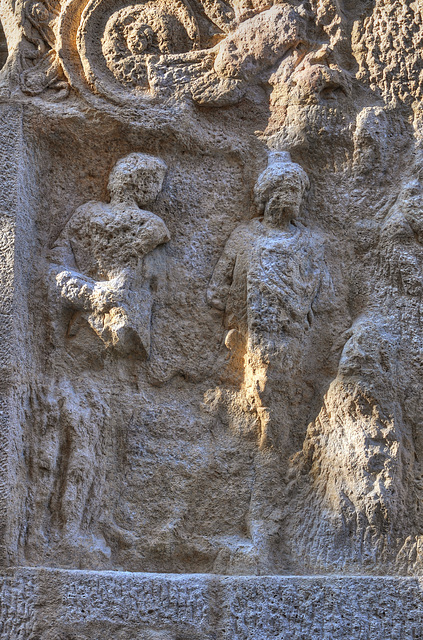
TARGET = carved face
x,y
401,242
143,186
137,176
279,192
139,37
310,93
138,30
284,203
313,78
40,12
146,186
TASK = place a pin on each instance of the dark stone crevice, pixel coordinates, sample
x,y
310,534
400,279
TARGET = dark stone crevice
x,y
3,47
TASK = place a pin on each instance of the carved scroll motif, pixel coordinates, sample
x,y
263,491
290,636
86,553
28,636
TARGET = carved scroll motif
x,y
41,68
135,32
208,51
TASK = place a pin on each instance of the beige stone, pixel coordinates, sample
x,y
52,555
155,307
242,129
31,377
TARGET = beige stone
x,y
211,276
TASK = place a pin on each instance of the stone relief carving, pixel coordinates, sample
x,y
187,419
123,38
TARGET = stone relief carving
x,y
68,516
247,398
209,51
135,33
355,451
278,298
248,54
267,282
108,245
41,68
368,423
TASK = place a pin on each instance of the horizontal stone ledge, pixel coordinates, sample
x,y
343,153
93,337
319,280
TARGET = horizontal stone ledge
x,y
58,604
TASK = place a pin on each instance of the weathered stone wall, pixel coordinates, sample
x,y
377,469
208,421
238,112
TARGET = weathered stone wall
x,y
81,605
211,277
17,259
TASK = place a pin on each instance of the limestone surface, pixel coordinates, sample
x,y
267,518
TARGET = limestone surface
x,y
211,290
57,604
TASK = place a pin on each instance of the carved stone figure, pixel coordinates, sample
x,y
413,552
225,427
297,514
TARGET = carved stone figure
x,y
362,453
41,68
105,279
248,54
135,33
270,281
310,95
355,451
68,472
109,279
244,399
275,288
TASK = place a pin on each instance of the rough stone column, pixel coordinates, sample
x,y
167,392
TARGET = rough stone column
x,y
13,221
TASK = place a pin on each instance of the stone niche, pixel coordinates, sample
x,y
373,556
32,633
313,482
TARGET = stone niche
x,y
211,320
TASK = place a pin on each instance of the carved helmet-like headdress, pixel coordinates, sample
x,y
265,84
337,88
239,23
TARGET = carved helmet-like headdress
x,y
280,170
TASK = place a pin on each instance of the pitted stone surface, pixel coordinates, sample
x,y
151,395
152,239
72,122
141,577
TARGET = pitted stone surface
x,y
81,605
211,289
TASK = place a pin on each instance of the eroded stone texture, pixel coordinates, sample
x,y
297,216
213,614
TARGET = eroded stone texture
x,y
211,277
80,605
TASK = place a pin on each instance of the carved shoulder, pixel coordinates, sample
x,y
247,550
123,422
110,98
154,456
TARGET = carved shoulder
x,y
221,280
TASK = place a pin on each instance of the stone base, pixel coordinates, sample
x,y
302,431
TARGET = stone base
x,y
53,604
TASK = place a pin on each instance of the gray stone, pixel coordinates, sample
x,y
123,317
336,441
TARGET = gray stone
x,y
88,605
211,279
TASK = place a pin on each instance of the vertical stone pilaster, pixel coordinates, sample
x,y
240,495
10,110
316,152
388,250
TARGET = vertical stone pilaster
x,y
11,167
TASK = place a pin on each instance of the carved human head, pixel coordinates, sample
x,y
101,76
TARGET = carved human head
x,y
137,176
280,189
139,36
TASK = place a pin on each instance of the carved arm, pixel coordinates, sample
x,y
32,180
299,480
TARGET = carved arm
x,y
220,283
